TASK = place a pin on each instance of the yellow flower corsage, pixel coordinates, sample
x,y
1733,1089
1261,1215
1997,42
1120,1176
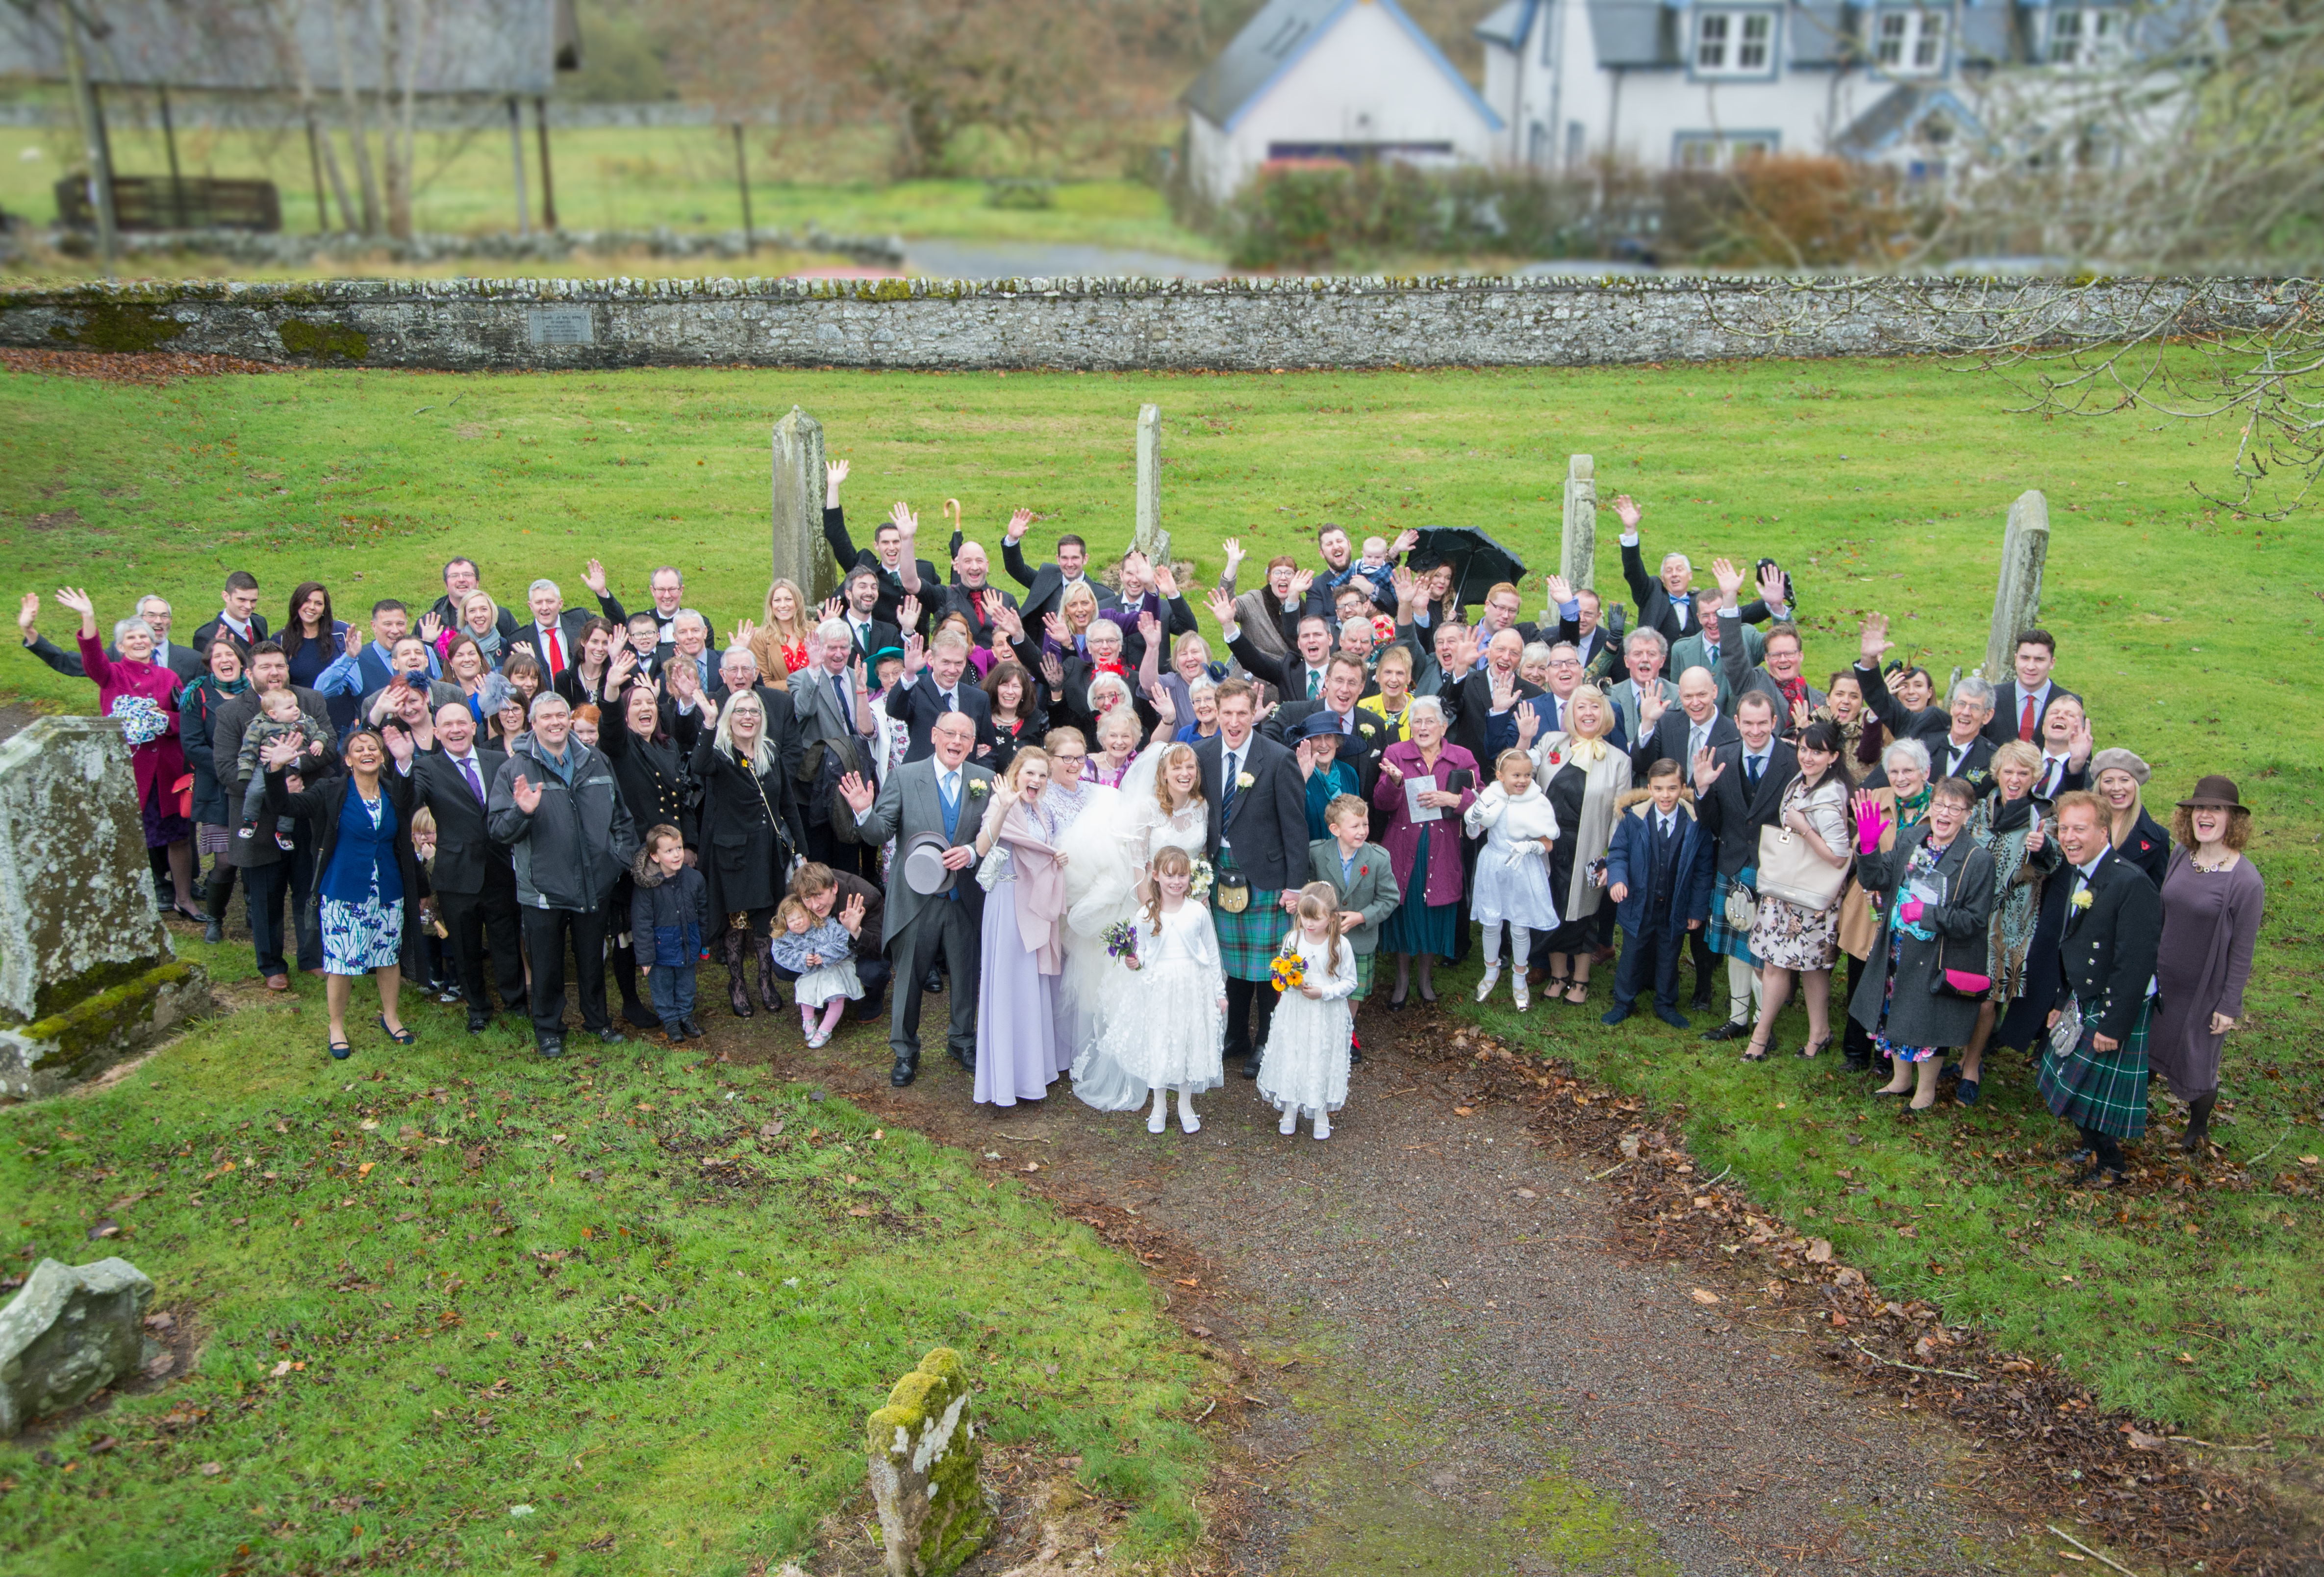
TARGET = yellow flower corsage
x,y
2082,899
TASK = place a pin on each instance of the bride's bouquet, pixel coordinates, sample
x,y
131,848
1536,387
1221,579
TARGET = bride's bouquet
x,y
1121,941
1290,973
1198,890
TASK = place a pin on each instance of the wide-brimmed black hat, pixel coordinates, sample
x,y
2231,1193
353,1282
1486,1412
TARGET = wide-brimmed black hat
x,y
2215,791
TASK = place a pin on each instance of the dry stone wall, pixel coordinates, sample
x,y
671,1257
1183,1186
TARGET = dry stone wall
x,y
1086,324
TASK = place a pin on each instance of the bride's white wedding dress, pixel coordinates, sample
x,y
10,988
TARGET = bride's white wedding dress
x,y
1107,850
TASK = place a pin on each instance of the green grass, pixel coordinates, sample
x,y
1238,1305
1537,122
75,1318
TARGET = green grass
x,y
1882,484
499,1284
632,179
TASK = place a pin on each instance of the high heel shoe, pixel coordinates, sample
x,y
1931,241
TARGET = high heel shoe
x,y
1814,1047
1757,1050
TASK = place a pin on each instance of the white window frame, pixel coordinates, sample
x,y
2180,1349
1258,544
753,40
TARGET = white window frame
x,y
2094,37
1720,150
1733,41
1910,41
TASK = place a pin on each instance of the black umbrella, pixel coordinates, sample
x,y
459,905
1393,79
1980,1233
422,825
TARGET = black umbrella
x,y
1479,562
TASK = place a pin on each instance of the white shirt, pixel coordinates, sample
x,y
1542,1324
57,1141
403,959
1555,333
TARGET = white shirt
x,y
2053,773
1956,753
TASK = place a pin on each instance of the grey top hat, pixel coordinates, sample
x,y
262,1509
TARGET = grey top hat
x,y
922,857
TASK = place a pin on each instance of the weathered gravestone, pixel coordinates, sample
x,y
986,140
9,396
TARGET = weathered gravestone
x,y
933,1514
801,556
1578,560
87,974
71,1331
1151,539
2017,595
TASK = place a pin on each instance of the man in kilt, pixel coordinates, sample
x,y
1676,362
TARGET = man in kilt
x,y
1738,788
1257,847
2094,1068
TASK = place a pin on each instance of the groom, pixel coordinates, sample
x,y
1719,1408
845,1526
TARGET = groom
x,y
1258,804
939,794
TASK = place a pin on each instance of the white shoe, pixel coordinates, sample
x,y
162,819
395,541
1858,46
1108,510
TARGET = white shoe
x,y
1290,1123
1157,1120
1492,978
1518,994
1187,1121
1322,1126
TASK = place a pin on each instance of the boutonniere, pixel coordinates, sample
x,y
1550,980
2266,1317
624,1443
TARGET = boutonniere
x,y
2082,899
978,788
1244,780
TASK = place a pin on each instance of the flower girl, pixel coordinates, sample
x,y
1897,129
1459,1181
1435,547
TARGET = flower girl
x,y
1169,1028
1305,1066
1512,881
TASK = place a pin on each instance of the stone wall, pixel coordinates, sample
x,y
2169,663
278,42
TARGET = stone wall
x,y
1093,325
89,974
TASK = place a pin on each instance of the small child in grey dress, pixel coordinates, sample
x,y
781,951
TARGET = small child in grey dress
x,y
824,954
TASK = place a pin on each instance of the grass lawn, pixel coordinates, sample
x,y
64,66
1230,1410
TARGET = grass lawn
x,y
631,177
1881,484
458,1307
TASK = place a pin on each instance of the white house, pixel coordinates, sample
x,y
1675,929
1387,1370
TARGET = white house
x,y
1352,79
1691,84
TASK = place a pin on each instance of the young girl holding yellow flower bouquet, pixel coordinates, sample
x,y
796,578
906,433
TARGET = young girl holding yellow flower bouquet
x,y
1305,1068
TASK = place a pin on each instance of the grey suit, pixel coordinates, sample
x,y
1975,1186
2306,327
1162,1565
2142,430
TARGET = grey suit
x,y
916,923
1689,652
1370,891
1625,699
1740,677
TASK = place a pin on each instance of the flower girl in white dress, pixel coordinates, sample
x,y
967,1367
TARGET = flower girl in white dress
x,y
1512,881
1170,1029
1305,1066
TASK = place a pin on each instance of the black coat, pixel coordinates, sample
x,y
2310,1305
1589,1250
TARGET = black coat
x,y
655,779
1917,1016
1666,742
750,832
1045,589
962,600
2008,710
198,709
919,703
782,722
1472,710
1268,828
320,806
467,860
1733,815
2107,955
1653,603
890,610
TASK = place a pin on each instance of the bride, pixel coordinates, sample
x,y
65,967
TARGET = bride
x,y
1107,850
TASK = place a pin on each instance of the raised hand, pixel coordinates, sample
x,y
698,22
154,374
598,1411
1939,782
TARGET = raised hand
x,y
79,602
431,626
1005,620
1626,510
1233,546
907,612
684,682
1731,580
400,746
1166,580
1053,670
1801,715
593,577
1405,542
858,794
1306,756
526,793
1470,649
1771,587
279,753
1391,771
1708,770
1149,627
835,472
1651,707
1528,725
1222,606
1018,520
1053,626
2036,837
1164,708
851,914
1301,579
2080,743
834,608
28,614
356,638
1872,822
916,656
743,630
623,664
1407,591
906,520
1560,591
1872,642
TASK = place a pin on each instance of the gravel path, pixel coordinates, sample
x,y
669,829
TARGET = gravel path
x,y
1451,1365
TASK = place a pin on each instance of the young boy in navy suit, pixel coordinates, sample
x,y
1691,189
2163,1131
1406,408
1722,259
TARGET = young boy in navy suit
x,y
1658,873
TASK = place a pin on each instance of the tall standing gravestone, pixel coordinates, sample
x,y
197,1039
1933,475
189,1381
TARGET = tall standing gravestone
x,y
1151,539
1578,559
87,974
800,553
2017,595
924,1457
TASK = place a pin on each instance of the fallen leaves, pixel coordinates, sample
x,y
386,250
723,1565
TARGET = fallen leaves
x,y
1703,1295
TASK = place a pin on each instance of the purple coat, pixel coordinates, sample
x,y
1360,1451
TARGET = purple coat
x,y
159,762
1402,838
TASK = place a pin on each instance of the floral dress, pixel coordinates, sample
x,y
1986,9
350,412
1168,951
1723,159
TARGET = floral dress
x,y
1786,934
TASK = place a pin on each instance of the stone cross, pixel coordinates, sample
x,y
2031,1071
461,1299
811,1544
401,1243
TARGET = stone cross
x,y
925,1458
2017,596
800,553
1151,539
1579,559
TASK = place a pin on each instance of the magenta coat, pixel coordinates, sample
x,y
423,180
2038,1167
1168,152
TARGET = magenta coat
x,y
1402,838
161,762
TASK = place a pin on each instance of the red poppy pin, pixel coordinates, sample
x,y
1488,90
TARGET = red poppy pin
x,y
1363,871
1555,757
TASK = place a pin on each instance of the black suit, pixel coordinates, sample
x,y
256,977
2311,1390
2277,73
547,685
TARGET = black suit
x,y
1266,829
1655,610
1045,589
866,641
528,638
474,877
208,632
1975,764
919,703
1733,812
891,607
1667,740
1472,710
962,600
2107,953
2008,710
1287,674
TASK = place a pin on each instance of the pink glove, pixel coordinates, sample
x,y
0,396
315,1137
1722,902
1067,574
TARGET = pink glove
x,y
1910,912
1869,825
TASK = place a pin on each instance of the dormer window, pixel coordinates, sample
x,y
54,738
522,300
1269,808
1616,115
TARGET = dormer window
x,y
2084,36
1909,42
1734,43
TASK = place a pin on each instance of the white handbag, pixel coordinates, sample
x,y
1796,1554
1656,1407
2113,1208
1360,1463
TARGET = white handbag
x,y
1796,873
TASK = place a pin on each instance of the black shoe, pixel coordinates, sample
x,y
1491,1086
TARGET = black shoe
x,y
1702,1003
966,1059
637,1016
2102,1176
692,1030
520,1009
903,1073
550,1044
610,1035
1860,1062
478,1022
1250,1068
1730,1030
1355,1055
1614,1015
932,983
867,1013
213,930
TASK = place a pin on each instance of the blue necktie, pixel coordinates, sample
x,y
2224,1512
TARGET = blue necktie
x,y
951,803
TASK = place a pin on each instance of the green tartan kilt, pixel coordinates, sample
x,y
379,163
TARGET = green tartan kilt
x,y
1724,939
2105,1090
1248,942
1363,976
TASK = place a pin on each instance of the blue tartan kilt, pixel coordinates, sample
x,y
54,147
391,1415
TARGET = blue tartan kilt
x,y
1724,938
2105,1090
1250,941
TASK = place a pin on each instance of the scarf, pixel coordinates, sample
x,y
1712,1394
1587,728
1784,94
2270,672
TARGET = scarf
x,y
2010,815
224,688
1109,666
1794,689
1585,753
1910,809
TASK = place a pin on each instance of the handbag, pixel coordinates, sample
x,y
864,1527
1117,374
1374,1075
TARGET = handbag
x,y
1859,922
994,870
1231,892
1791,870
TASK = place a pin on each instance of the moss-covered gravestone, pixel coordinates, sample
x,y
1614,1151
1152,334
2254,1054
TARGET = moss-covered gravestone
x,y
87,974
924,1457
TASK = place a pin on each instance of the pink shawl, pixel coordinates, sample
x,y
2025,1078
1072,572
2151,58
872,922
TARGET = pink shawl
x,y
1040,884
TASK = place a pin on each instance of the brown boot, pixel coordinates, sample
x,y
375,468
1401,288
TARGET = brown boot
x,y
738,995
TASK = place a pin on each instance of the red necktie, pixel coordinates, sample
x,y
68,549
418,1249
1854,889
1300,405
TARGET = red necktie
x,y
2025,720
556,654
